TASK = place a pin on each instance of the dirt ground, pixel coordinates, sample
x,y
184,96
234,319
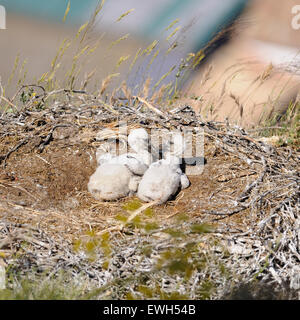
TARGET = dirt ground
x,y
54,183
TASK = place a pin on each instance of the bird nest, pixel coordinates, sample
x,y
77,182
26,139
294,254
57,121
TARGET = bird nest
x,y
238,222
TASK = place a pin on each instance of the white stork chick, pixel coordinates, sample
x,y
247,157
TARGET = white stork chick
x,y
111,182
138,140
162,180
137,162
176,154
119,176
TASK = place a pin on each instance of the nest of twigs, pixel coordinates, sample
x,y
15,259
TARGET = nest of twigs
x,y
241,221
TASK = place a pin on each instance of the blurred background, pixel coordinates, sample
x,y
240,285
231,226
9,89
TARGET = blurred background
x,y
259,41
